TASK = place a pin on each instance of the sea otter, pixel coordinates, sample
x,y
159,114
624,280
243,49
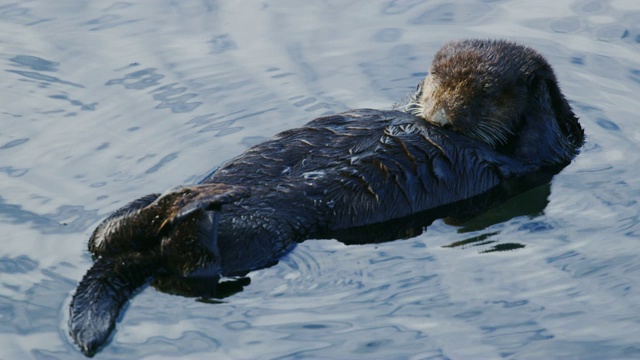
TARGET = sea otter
x,y
489,113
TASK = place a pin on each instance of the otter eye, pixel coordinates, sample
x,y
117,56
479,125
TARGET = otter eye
x,y
419,88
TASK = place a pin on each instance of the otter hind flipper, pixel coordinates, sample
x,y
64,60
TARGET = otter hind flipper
x,y
114,236
190,232
208,197
100,296
129,249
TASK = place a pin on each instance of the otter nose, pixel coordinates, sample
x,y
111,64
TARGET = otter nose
x,y
440,118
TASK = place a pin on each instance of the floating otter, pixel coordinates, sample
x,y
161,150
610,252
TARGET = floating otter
x,y
489,113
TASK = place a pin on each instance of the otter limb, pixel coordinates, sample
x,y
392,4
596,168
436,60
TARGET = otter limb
x,y
145,238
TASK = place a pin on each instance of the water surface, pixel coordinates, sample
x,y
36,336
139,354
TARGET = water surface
x,y
106,101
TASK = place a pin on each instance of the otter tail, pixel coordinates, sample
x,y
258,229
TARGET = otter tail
x,y
175,232
100,296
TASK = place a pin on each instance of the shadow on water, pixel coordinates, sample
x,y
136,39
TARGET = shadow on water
x,y
531,204
206,289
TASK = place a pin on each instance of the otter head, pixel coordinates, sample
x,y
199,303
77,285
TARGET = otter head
x,y
503,94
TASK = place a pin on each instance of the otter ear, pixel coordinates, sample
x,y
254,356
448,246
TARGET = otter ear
x,y
531,80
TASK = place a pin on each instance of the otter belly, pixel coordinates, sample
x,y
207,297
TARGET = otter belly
x,y
348,170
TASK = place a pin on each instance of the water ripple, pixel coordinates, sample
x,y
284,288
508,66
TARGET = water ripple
x,y
106,102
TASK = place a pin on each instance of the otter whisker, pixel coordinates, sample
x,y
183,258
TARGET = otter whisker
x,y
495,133
414,108
503,130
498,129
492,130
483,135
500,124
486,132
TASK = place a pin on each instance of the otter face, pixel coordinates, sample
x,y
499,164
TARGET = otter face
x,y
480,88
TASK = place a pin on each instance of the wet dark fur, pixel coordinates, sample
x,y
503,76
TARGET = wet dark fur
x,y
333,175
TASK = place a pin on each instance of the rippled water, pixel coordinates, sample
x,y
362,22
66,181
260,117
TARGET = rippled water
x,y
106,101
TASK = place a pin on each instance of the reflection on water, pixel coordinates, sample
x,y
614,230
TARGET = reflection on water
x,y
106,101
206,289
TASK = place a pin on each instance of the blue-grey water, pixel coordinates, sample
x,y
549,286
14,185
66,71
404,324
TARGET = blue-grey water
x,y
105,101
